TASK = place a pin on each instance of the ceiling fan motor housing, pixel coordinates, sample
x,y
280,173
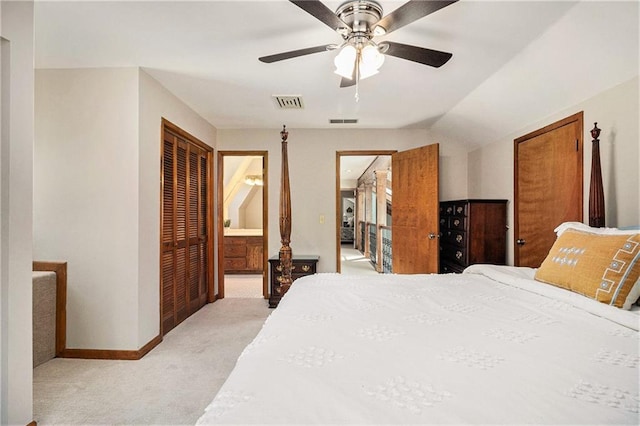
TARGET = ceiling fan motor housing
x,y
360,15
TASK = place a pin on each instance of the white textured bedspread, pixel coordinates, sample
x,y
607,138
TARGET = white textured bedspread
x,y
435,349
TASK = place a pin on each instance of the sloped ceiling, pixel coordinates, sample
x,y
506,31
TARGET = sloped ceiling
x,y
513,60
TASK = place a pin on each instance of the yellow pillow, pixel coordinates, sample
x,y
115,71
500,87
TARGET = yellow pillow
x,y
602,267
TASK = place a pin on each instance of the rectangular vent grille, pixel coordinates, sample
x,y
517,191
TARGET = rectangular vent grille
x,y
343,120
288,101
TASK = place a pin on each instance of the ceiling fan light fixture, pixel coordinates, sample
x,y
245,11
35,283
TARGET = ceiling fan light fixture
x,y
370,61
253,180
345,61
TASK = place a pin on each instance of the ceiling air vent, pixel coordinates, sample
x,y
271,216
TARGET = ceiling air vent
x,y
343,120
288,101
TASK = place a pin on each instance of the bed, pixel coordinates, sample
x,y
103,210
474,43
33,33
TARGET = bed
x,y
493,345
490,345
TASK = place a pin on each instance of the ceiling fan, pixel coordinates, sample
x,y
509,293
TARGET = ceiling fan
x,y
358,22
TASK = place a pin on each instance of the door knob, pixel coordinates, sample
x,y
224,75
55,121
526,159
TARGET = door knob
x,y
432,235
520,241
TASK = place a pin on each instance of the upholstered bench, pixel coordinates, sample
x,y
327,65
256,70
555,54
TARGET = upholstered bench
x,y
44,317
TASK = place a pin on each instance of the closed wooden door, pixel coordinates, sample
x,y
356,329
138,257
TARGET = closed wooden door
x,y
548,187
185,245
415,224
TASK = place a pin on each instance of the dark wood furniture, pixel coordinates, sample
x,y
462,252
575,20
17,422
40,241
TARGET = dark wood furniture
x,y
284,218
596,190
285,267
472,231
301,265
243,255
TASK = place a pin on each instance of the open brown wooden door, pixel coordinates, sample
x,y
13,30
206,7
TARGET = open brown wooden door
x,y
415,245
548,187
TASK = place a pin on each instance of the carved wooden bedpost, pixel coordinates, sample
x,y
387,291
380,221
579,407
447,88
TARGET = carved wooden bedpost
x,y
285,219
596,191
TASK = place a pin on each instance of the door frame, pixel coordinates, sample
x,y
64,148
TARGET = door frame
x,y
338,212
265,216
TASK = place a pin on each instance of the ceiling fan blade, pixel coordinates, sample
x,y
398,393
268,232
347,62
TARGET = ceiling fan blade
x,y
433,58
345,82
322,13
409,12
295,53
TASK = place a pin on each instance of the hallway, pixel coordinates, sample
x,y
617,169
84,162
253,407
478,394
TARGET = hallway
x,y
353,262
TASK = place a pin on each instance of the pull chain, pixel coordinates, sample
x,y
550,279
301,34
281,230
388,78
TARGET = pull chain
x,y
357,96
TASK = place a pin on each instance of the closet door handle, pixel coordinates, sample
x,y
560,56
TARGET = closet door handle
x,y
520,241
432,235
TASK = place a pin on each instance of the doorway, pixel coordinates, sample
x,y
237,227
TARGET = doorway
x,y
360,211
242,188
411,244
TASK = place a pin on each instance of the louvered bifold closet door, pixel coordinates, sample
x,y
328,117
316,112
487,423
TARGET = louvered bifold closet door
x,y
181,233
184,230
203,235
168,258
197,229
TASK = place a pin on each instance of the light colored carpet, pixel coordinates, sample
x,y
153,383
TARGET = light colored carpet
x,y
171,385
242,286
354,263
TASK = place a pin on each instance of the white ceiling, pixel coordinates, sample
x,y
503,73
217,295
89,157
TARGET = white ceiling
x,y
352,167
206,54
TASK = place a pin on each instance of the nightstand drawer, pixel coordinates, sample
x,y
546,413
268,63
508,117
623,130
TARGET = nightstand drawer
x,y
303,268
300,268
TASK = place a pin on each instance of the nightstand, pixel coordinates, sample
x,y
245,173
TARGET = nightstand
x,y
302,265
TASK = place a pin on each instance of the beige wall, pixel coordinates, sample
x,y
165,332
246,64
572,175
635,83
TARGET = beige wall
x,y
593,47
616,111
97,197
155,103
16,177
85,198
595,70
312,175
